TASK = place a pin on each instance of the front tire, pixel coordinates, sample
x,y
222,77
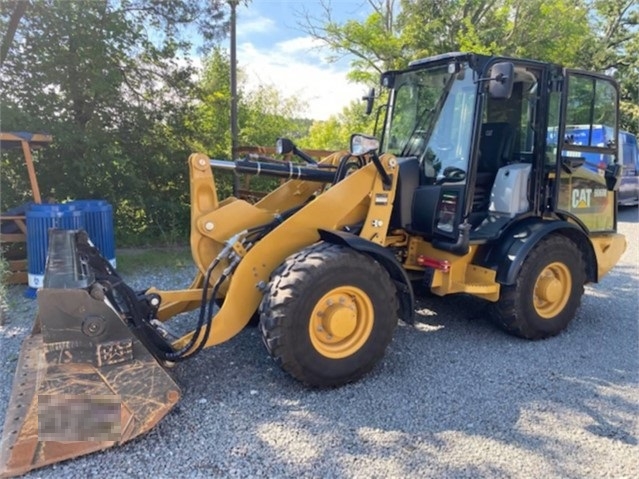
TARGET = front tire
x,y
328,314
547,292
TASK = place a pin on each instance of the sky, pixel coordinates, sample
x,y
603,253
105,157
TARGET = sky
x,y
273,49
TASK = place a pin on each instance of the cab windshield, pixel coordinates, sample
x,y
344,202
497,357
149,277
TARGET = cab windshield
x,y
431,117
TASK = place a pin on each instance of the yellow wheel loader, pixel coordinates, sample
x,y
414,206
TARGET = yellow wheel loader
x,y
474,186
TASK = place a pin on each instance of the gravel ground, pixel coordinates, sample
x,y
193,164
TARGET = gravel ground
x,y
453,397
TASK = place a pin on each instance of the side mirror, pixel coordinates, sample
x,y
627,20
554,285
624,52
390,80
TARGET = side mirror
x,y
363,144
502,77
370,100
613,177
284,146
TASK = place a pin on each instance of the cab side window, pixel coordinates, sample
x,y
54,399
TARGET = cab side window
x,y
591,116
519,112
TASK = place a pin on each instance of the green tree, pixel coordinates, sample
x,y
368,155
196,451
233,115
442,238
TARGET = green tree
x,y
614,48
326,134
106,79
374,45
600,35
264,114
552,31
430,27
209,122
335,133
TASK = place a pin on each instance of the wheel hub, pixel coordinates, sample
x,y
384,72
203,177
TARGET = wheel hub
x,y
549,289
552,290
341,322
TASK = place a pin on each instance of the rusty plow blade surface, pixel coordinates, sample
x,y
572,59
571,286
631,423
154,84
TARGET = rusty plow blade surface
x,y
84,382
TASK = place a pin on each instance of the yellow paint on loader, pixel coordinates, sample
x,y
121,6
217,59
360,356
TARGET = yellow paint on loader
x,y
345,203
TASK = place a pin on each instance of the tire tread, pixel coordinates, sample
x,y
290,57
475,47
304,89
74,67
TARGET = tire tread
x,y
287,285
508,314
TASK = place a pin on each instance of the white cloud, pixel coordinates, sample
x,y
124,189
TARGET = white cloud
x,y
296,68
254,25
300,44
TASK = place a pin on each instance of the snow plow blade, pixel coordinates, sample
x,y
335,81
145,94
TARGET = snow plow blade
x,y
84,382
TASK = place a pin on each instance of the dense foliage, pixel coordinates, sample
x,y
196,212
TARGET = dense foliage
x,y
113,96
115,84
598,35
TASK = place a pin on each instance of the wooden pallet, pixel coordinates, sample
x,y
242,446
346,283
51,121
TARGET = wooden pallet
x,y
17,266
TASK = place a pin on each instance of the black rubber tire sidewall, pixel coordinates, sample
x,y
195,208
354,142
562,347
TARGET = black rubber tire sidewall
x,y
316,363
515,311
342,266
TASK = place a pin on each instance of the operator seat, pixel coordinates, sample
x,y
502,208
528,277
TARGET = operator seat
x,y
496,147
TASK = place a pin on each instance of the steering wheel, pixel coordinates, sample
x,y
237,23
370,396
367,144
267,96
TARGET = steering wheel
x,y
347,165
452,174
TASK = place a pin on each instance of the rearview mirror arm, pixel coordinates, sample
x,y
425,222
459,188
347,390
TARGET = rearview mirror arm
x,y
386,179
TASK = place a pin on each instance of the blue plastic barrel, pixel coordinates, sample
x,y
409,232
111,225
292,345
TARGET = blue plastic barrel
x,y
40,218
98,221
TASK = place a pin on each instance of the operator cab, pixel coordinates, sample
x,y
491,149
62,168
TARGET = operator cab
x,y
472,134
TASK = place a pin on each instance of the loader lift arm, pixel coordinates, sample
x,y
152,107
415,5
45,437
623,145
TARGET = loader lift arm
x,y
346,203
91,321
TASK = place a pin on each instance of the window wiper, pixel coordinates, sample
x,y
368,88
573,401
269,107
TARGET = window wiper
x,y
434,112
406,151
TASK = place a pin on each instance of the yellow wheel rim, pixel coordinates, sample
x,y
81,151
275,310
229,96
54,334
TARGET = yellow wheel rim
x,y
341,322
552,290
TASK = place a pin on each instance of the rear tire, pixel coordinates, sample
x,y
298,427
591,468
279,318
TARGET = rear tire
x,y
547,293
328,314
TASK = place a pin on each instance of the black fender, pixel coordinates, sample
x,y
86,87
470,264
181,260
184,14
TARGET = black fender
x,y
507,255
384,257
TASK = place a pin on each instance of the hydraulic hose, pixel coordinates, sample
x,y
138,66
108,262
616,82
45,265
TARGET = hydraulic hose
x,y
206,305
181,354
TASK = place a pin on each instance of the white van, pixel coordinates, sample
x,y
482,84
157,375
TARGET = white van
x,y
628,194
598,135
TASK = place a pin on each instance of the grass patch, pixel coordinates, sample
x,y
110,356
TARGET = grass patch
x,y
131,260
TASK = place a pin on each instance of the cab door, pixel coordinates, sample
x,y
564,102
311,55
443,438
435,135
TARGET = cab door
x,y
586,144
